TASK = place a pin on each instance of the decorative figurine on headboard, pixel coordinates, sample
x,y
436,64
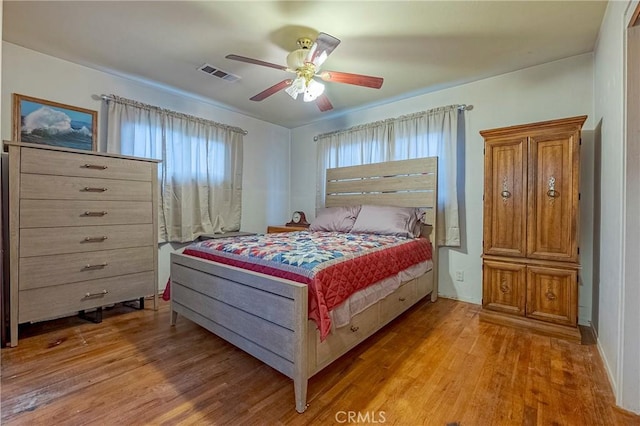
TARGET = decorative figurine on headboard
x,y
298,219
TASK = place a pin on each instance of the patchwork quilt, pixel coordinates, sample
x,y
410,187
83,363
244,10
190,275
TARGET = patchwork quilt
x,y
333,265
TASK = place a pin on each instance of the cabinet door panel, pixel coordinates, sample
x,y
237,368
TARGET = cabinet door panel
x,y
504,287
553,196
505,195
552,295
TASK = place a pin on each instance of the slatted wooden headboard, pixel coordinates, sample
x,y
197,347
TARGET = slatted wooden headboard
x,y
404,183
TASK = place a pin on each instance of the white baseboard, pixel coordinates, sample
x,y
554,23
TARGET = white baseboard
x,y
607,367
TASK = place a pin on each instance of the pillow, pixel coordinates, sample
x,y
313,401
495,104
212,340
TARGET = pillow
x,y
388,220
335,219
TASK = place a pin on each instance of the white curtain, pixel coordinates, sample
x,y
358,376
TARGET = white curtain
x,y
358,145
425,134
201,171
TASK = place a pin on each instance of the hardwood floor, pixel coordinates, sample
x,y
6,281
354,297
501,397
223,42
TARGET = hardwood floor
x,y
435,365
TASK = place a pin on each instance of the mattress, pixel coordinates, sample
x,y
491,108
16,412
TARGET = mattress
x,y
334,265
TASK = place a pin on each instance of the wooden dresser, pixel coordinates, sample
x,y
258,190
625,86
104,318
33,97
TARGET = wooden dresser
x,y
83,231
530,231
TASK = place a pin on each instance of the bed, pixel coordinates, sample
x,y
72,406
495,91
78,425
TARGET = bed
x,y
269,316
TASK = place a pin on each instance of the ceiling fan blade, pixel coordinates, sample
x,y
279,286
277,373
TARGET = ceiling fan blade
x,y
323,103
271,90
347,78
256,62
323,46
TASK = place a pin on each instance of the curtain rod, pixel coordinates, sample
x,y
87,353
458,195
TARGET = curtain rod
x,y
109,98
460,107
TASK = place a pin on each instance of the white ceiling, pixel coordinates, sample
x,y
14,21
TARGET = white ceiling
x,y
417,46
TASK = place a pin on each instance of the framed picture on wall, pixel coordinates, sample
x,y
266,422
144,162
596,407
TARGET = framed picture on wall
x,y
51,123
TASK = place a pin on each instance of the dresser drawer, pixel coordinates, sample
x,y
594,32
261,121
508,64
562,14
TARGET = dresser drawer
x,y
45,271
396,303
45,213
76,239
47,162
46,187
49,302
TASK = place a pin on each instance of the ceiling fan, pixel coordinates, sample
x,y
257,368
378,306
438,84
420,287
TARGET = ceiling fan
x,y
305,63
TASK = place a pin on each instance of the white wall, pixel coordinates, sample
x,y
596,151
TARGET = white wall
x,y
618,328
265,195
555,90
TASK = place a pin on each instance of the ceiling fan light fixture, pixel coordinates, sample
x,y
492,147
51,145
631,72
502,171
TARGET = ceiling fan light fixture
x,y
296,87
313,90
310,90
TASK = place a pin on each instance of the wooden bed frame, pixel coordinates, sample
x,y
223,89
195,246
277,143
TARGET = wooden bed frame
x,y
267,316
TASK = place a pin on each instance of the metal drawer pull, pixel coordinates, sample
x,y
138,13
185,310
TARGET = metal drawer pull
x,y
94,213
550,295
354,328
98,266
94,166
552,193
101,294
90,189
402,299
95,239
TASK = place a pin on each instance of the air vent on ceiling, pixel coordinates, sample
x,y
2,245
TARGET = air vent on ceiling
x,y
217,72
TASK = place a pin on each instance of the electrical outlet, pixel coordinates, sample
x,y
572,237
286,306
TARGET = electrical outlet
x,y
459,275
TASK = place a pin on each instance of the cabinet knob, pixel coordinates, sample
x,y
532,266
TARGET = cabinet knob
x,y
504,288
550,295
354,328
505,189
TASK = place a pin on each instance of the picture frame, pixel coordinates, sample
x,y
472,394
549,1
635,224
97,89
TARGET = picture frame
x,y
52,123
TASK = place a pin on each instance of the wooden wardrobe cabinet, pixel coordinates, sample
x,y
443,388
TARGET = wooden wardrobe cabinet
x,y
530,228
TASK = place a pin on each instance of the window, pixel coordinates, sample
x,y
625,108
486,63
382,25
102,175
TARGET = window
x,y
200,175
424,134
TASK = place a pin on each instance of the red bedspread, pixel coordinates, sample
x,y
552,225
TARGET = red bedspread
x,y
333,265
